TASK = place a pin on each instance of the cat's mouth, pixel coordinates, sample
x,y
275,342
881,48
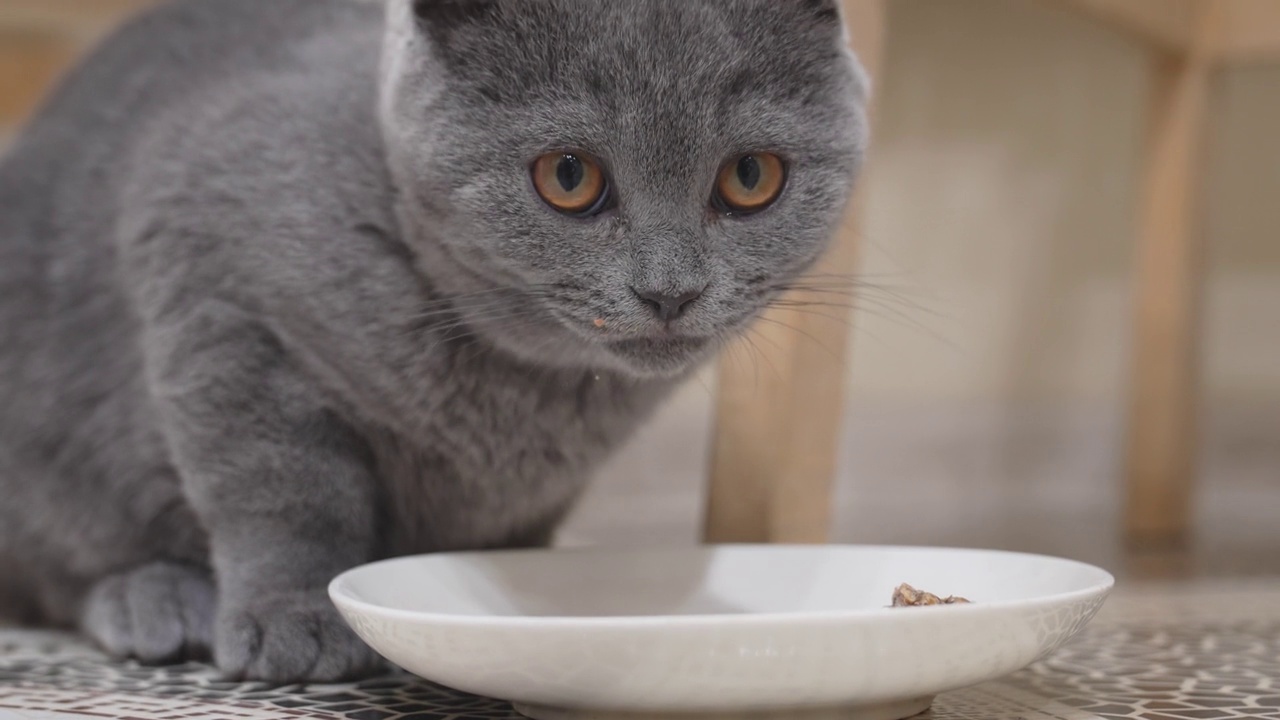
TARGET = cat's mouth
x,y
654,351
667,344
660,355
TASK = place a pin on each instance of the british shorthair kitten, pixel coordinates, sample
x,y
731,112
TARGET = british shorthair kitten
x,y
287,286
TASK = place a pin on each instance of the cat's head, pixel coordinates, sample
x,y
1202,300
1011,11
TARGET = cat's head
x,y
619,184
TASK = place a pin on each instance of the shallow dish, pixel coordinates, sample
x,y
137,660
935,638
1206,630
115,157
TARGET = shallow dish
x,y
760,630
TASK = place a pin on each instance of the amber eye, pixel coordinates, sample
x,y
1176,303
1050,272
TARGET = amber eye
x,y
572,183
751,183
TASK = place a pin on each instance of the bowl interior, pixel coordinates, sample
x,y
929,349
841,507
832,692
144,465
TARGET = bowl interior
x,y
707,581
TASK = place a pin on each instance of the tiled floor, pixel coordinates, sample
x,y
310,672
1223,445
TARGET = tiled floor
x,y
1180,652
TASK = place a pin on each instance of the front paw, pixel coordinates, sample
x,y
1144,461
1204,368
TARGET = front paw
x,y
291,638
157,613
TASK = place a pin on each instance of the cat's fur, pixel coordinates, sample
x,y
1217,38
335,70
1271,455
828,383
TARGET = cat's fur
x,y
277,298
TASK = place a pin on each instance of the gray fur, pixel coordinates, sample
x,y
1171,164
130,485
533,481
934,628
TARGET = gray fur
x,y
277,298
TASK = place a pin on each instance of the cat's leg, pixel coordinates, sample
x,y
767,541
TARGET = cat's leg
x,y
283,487
157,613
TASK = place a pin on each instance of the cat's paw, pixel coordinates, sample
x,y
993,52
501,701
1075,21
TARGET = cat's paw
x,y
156,613
291,638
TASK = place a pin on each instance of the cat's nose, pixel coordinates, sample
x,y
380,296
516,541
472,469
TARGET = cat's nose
x,y
667,306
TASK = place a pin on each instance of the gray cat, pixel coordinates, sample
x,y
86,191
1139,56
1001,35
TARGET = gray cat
x,y
287,286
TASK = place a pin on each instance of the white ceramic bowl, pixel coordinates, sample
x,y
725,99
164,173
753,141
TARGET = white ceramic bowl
x,y
770,630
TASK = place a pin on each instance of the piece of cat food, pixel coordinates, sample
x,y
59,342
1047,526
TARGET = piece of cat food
x,y
907,596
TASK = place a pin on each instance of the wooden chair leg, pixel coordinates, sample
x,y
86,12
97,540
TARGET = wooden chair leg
x,y
1162,435
29,63
781,398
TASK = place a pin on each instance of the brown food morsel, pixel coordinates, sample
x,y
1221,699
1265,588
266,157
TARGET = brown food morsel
x,y
907,596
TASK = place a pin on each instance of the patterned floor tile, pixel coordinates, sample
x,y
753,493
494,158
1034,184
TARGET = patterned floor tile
x,y
1193,654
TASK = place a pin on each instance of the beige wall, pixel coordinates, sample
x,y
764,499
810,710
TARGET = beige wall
x,y
1001,190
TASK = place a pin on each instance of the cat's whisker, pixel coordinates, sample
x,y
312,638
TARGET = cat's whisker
x,y
843,318
849,310
482,298
759,355
480,312
857,287
900,318
873,299
826,348
735,350
702,383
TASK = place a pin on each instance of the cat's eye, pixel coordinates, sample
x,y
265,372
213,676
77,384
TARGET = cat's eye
x,y
750,183
572,183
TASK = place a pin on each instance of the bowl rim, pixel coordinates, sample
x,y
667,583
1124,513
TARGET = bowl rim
x,y
345,600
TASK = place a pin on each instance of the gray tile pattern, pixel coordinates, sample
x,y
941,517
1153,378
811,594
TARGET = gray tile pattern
x,y
1173,652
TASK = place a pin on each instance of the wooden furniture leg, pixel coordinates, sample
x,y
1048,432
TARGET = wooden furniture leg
x,y
781,396
29,63
1162,434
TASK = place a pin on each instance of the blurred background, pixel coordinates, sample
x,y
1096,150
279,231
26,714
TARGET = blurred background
x,y
988,389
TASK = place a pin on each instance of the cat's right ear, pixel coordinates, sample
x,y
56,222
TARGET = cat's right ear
x,y
827,11
423,39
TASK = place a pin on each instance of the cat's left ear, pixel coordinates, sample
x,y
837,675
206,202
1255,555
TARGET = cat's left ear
x,y
445,15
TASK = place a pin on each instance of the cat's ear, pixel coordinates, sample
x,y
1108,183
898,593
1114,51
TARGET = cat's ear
x,y
827,17
826,11
444,15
